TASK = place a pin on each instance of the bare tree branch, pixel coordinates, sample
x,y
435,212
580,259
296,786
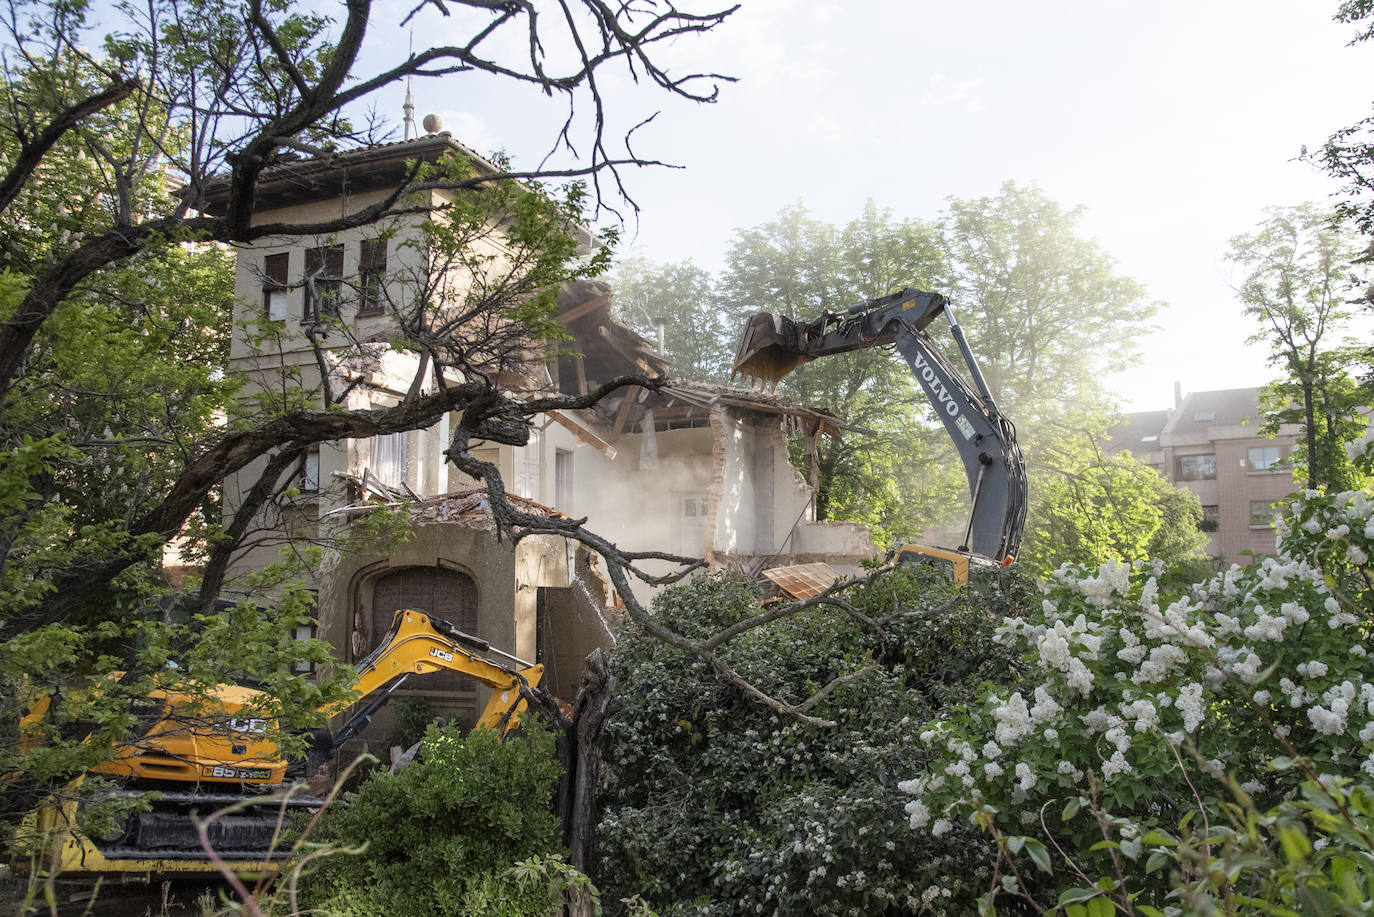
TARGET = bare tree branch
x,y
33,149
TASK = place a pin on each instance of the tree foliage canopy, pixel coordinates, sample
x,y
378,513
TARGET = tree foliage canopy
x,y
715,805
1297,267
1097,507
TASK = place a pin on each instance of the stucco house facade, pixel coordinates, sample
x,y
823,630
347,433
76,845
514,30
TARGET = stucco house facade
x,y
692,469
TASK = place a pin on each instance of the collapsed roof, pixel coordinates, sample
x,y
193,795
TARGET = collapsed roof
x,y
604,347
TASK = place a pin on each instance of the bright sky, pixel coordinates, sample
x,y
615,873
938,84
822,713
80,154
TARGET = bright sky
x,y
1174,122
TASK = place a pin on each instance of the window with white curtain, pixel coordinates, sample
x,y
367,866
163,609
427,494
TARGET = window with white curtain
x,y
527,471
389,454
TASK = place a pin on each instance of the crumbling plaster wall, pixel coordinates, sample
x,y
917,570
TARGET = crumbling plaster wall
x,y
761,505
634,502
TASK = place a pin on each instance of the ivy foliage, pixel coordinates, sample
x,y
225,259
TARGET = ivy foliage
x,y
467,829
714,805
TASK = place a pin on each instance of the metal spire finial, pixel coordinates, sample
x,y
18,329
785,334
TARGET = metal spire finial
x,y
409,107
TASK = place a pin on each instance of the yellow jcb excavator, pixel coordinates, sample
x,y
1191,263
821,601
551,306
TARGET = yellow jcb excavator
x,y
198,760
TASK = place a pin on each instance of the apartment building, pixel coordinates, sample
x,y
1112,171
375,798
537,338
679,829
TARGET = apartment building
x,y
1210,444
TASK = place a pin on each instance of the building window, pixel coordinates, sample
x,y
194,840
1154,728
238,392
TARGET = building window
x,y
274,274
1264,458
1204,416
323,281
304,632
371,276
1196,468
563,481
1150,438
692,523
310,471
1262,514
527,472
389,454
1211,518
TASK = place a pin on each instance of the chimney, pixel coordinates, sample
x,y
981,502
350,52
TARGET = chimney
x,y
1178,393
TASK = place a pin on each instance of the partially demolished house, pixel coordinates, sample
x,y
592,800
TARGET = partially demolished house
x,y
692,469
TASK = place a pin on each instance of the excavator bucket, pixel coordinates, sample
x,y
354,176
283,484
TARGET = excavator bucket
x,y
769,349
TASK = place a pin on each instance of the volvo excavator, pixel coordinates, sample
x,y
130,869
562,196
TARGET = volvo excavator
x,y
772,346
203,756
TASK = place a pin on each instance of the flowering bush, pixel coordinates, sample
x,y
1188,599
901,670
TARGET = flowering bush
x,y
715,805
1142,707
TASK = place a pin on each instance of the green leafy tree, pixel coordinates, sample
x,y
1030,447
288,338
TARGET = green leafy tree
x,y
682,298
800,267
1296,268
1348,154
1095,508
1046,310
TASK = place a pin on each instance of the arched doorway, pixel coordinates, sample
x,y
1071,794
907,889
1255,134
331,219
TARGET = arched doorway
x,y
440,593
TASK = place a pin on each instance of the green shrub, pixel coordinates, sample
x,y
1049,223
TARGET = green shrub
x,y
448,834
413,718
714,805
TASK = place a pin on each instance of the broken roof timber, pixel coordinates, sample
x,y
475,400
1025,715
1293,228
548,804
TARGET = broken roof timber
x,y
705,394
584,432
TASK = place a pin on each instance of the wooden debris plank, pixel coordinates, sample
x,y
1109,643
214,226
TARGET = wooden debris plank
x,y
626,403
802,581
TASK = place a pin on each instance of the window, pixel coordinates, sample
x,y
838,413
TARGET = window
x,y
1211,518
527,471
310,471
389,454
1204,416
323,280
563,481
1264,458
1150,438
692,523
303,633
274,274
371,275
1196,468
1262,514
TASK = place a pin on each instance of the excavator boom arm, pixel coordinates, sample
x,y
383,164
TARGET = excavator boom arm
x,y
773,346
417,644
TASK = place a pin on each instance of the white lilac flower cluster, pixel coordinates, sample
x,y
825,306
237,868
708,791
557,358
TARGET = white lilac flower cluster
x,y
1362,448
1116,674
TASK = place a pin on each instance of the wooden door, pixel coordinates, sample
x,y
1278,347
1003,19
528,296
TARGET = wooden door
x,y
440,593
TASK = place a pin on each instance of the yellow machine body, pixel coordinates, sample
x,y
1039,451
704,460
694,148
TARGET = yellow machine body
x,y
203,754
